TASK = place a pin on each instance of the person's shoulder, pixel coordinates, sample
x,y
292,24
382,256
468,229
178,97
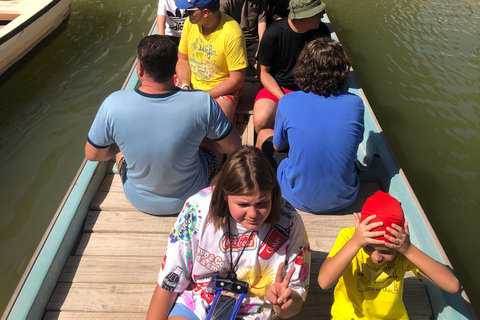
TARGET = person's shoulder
x,y
120,94
322,30
277,26
201,197
230,24
289,214
352,98
197,97
347,232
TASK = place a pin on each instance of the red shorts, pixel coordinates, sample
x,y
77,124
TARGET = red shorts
x,y
265,94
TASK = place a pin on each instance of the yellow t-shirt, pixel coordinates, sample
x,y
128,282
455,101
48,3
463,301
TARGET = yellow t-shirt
x,y
212,57
367,290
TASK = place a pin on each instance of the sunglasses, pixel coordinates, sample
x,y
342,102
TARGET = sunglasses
x,y
190,12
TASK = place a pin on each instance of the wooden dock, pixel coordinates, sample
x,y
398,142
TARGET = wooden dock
x,y
113,271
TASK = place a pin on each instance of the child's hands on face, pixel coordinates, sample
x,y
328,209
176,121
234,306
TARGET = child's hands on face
x,y
401,241
364,235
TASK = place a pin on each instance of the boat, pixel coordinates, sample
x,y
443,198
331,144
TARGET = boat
x,y
24,23
100,257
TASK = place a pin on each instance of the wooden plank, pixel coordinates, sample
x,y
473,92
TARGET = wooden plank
x,y
112,269
112,183
94,297
111,201
66,315
123,244
126,221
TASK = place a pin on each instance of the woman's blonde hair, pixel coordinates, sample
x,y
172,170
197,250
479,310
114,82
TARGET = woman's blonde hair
x,y
245,172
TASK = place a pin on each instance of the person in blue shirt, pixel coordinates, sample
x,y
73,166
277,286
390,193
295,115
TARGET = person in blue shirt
x,y
317,132
168,142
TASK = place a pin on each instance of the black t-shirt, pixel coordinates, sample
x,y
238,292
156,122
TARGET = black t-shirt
x,y
280,48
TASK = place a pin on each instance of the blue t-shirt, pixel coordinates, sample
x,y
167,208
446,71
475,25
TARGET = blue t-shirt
x,y
159,136
324,134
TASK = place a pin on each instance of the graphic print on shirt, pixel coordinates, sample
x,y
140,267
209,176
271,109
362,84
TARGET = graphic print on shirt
x,y
377,279
170,282
204,60
305,268
274,240
187,223
212,262
177,19
259,278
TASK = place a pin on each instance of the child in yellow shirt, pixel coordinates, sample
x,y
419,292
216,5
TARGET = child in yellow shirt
x,y
370,261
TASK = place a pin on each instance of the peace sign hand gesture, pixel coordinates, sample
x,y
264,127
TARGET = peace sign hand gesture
x,y
279,293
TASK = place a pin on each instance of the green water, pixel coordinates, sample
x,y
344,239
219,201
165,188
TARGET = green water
x,y
418,62
47,104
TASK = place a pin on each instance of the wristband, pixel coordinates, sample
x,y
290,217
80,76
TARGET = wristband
x,y
185,86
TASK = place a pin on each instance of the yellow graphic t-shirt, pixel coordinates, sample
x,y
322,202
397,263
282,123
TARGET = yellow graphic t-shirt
x,y
367,290
212,57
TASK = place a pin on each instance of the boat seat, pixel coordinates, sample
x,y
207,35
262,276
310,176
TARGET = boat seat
x,y
243,120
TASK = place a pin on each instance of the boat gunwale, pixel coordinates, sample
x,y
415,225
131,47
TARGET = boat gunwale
x,y
9,34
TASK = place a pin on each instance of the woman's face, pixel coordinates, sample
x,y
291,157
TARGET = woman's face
x,y
250,210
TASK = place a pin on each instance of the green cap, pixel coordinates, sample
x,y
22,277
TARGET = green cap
x,y
301,9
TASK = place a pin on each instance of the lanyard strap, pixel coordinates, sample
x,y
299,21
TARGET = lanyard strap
x,y
232,267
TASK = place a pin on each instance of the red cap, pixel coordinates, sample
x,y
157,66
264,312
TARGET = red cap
x,y
388,210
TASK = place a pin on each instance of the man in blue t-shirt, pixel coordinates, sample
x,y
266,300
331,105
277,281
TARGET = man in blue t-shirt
x,y
168,142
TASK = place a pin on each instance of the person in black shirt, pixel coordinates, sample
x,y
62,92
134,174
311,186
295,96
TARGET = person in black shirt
x,y
279,48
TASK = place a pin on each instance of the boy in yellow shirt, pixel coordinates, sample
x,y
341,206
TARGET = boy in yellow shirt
x,y
370,261
212,55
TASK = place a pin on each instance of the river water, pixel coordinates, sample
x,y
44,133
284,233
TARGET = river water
x,y
418,62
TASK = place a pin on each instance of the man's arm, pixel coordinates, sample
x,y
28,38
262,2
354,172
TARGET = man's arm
x,y
231,142
161,24
234,82
183,69
96,154
269,82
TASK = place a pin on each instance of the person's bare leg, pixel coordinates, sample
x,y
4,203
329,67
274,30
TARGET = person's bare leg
x,y
262,136
228,108
264,111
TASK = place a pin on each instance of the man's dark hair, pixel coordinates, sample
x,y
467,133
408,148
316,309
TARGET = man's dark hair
x,y
158,56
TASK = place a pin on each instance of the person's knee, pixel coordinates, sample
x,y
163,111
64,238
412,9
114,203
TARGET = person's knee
x,y
228,108
262,136
264,112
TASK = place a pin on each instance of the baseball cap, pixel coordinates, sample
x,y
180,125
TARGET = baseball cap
x,y
388,210
185,4
301,9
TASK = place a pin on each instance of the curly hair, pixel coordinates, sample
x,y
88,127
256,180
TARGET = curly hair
x,y
245,172
322,67
158,56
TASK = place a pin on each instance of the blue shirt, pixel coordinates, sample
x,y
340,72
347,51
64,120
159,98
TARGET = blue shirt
x,y
159,136
324,134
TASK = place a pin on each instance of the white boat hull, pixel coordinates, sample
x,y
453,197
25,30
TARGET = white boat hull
x,y
29,22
